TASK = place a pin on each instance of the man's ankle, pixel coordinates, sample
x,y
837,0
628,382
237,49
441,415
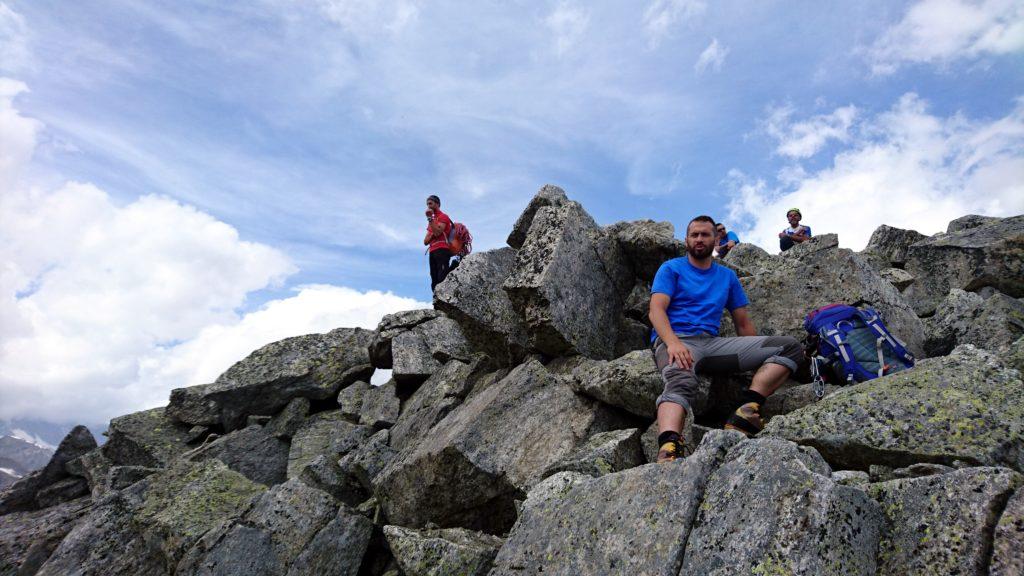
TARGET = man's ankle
x,y
748,396
667,436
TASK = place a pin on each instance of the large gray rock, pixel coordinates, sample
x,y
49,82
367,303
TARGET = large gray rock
x,y
28,538
253,452
93,466
815,274
432,401
900,279
630,382
471,466
888,246
970,221
787,400
966,406
107,542
749,259
771,508
324,434
23,494
392,325
941,524
646,244
1009,538
967,318
148,438
368,460
472,295
292,529
350,400
421,350
313,366
547,196
632,522
380,406
638,302
557,275
286,422
969,259
442,552
603,453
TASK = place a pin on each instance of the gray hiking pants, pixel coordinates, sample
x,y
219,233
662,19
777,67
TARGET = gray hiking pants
x,y
713,354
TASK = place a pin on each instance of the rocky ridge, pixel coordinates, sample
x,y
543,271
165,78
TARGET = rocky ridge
x,y
515,435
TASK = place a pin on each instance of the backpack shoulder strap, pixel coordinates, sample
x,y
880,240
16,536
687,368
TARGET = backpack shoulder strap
x,y
874,321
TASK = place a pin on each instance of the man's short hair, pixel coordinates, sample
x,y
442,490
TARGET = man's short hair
x,y
702,218
435,199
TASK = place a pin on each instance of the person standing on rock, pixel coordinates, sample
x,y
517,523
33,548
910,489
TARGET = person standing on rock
x,y
795,234
726,240
439,226
688,296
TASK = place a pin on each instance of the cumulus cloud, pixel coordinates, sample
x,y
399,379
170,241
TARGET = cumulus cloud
x,y
804,139
662,16
106,306
941,31
712,57
568,23
906,168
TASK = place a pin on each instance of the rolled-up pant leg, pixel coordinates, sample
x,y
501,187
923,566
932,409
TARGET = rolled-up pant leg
x,y
722,355
680,385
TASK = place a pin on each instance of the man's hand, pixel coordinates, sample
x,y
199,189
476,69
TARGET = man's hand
x,y
782,234
430,214
679,355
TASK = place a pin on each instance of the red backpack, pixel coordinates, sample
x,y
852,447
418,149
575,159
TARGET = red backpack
x,y
460,240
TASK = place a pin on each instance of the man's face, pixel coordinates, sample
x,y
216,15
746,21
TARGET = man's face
x,y
721,230
700,240
431,205
794,218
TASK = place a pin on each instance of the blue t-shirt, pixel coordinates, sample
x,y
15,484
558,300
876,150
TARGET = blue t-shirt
x,y
697,296
729,236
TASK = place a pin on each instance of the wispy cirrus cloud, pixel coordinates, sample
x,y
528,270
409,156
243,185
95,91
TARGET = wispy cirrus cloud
x,y
944,31
662,16
711,58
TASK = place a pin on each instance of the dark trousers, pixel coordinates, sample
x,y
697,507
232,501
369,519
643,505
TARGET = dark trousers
x,y
439,266
786,243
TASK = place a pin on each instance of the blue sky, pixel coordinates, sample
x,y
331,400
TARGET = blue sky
x,y
183,182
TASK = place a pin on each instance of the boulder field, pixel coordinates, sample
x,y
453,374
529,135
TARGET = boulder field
x,y
516,434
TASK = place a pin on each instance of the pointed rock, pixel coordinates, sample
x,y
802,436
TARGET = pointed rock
x,y
472,295
557,274
547,196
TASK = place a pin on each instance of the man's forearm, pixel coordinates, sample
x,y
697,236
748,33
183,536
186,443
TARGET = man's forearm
x,y
659,320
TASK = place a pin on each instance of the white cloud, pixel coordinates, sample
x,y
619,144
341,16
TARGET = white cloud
x,y
568,23
662,16
17,133
14,52
313,309
368,18
941,31
105,307
805,139
908,168
712,57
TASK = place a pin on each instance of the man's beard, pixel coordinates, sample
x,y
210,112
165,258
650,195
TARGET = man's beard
x,y
701,254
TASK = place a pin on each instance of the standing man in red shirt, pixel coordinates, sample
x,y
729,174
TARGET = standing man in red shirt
x,y
439,226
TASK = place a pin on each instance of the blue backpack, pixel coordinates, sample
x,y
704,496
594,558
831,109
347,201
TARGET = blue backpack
x,y
854,344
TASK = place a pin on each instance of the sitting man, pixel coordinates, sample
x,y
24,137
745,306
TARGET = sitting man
x,y
795,234
726,240
687,299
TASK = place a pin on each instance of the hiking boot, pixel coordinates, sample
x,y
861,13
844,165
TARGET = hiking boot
x,y
746,419
671,450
